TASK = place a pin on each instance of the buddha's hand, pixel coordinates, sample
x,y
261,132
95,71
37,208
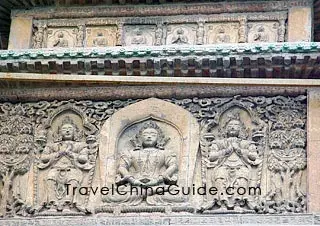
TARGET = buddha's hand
x,y
227,151
135,182
153,182
236,147
69,148
70,154
252,156
61,153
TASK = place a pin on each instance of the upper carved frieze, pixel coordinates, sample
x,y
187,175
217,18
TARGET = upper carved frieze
x,y
170,30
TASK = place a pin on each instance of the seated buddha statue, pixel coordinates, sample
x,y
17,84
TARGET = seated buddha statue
x,y
148,165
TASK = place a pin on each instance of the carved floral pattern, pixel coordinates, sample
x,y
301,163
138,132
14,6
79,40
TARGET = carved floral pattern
x,y
16,156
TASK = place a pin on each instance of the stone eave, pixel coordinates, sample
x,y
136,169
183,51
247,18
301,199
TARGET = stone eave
x,y
175,8
270,60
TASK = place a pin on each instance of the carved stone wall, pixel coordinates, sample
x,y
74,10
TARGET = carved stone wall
x,y
202,23
169,30
48,148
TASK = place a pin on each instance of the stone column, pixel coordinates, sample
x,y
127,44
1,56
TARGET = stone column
x,y
20,33
300,24
313,153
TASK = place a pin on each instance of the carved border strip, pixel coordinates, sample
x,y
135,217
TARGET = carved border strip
x,y
281,15
237,219
59,92
162,10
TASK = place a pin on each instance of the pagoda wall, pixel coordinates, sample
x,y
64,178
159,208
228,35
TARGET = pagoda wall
x,y
195,24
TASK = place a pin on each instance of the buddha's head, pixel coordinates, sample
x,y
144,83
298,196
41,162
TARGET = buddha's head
x,y
180,31
151,135
60,35
138,32
220,30
68,130
233,128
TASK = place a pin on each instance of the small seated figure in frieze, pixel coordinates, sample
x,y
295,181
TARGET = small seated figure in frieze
x,y
60,41
234,159
148,165
180,37
261,35
100,40
138,38
222,37
67,160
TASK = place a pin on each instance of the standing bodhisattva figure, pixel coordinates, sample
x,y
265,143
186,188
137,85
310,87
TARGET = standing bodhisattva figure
x,y
67,160
233,159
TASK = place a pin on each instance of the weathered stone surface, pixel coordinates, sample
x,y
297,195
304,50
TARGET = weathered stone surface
x,y
129,87
299,24
236,219
21,33
166,9
313,149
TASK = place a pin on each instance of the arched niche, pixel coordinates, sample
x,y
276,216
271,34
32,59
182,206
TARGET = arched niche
x,y
251,135
172,119
59,162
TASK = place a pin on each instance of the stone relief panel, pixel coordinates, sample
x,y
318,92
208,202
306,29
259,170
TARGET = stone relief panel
x,y
62,38
151,150
222,33
101,36
286,163
80,35
17,152
159,35
200,33
167,30
233,152
67,159
263,32
39,39
264,156
28,132
139,35
182,34
249,142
